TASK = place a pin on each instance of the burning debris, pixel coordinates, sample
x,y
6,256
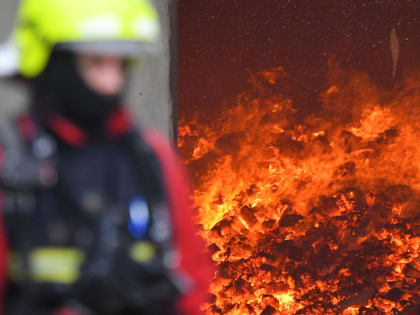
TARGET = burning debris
x,y
314,214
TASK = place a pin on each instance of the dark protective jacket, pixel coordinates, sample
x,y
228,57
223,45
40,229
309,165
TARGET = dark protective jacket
x,y
95,174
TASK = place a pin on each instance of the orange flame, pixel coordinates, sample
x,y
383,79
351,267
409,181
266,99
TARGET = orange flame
x,y
312,215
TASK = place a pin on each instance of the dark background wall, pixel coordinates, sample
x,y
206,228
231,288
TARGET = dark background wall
x,y
221,41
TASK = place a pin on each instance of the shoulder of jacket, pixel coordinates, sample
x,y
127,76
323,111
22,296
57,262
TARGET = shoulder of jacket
x,y
159,143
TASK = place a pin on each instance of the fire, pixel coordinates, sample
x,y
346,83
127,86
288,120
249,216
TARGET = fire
x,y
311,214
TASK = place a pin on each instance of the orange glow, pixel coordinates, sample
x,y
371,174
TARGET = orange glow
x,y
313,215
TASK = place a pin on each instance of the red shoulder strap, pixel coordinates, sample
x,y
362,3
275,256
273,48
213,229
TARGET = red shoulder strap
x,y
4,249
194,260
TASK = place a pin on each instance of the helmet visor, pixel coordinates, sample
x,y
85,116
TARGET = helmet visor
x,y
128,49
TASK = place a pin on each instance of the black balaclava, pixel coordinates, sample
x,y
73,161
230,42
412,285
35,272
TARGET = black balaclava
x,y
61,89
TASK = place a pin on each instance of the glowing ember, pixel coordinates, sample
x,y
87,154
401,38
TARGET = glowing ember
x,y
313,215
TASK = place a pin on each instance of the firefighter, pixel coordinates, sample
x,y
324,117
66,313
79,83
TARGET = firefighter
x,y
95,215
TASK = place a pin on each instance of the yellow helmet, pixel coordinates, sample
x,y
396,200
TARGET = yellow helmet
x,y
125,27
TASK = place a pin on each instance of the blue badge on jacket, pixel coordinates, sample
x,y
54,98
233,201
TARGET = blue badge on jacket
x,y
139,217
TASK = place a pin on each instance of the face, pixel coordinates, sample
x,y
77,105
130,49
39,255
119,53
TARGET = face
x,y
103,74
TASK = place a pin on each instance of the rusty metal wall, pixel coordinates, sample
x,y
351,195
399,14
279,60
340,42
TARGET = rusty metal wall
x,y
148,94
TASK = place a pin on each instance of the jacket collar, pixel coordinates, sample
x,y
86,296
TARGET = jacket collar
x,y
118,124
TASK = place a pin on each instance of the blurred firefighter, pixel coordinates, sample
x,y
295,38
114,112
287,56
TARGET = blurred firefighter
x,y
95,214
